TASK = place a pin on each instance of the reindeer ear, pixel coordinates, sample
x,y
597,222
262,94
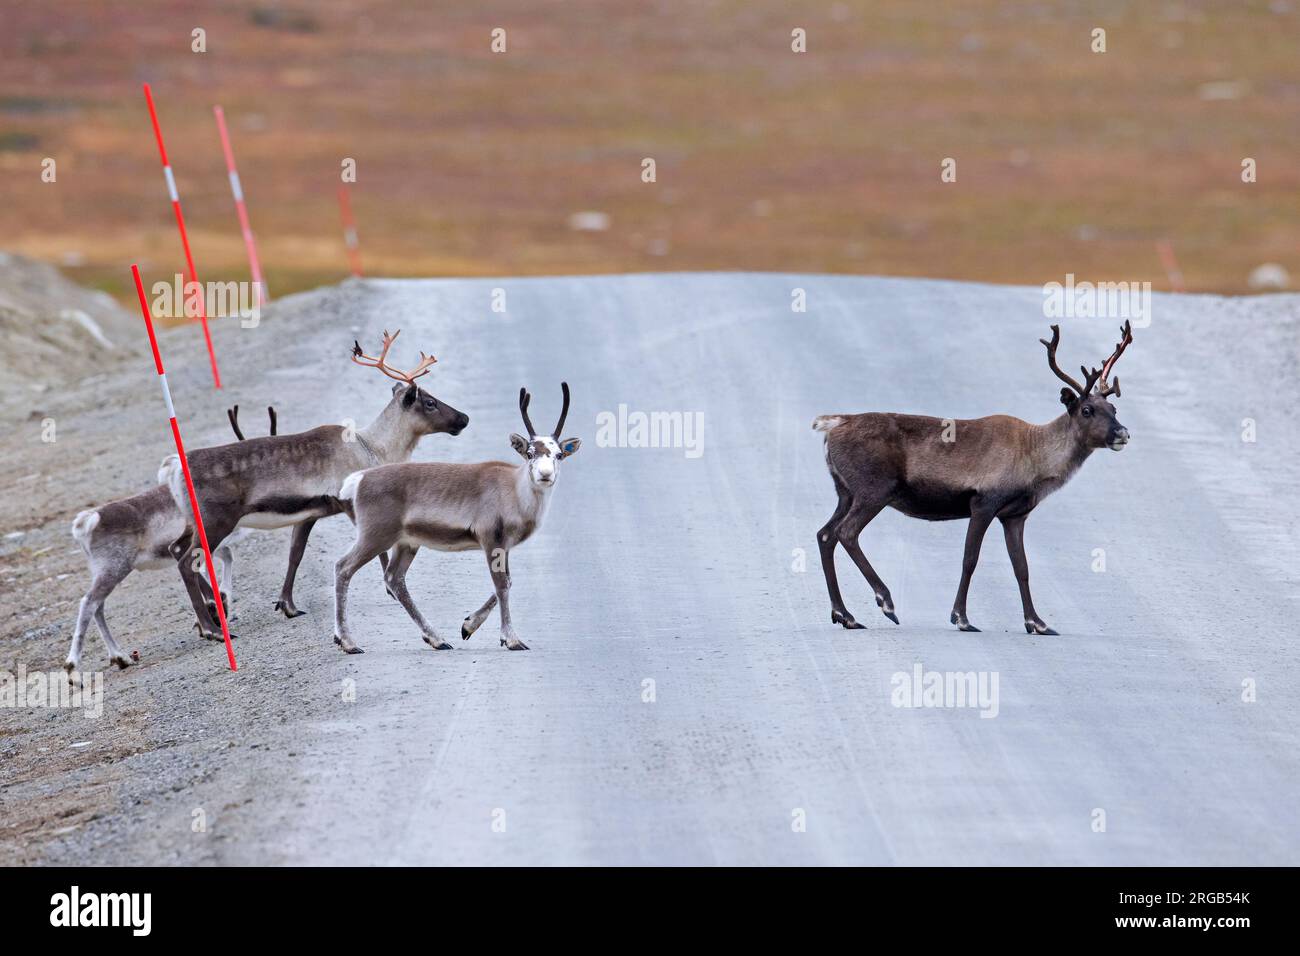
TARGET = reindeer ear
x,y
1068,398
398,386
569,447
520,444
412,393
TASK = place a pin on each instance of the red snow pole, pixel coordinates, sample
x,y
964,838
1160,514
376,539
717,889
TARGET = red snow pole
x,y
254,266
350,231
185,466
180,224
1165,249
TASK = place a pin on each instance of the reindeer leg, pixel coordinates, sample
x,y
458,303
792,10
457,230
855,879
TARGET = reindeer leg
x,y
105,580
474,621
395,578
224,562
115,654
226,558
218,527
980,520
366,548
861,512
500,571
827,538
296,550
180,549
1014,531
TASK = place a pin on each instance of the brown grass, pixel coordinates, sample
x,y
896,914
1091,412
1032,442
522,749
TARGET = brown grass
x,y
470,163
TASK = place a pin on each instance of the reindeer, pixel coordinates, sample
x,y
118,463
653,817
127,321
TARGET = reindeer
x,y
295,479
491,506
996,467
136,533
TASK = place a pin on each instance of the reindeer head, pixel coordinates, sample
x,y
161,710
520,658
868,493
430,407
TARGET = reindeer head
x,y
544,452
428,415
1092,416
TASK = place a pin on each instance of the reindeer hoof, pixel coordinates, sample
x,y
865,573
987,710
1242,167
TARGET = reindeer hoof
x,y
348,646
120,661
465,632
887,609
288,610
962,623
1038,627
845,620
514,644
225,605
438,644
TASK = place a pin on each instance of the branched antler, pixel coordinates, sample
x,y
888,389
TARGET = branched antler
x,y
1125,340
380,361
1051,361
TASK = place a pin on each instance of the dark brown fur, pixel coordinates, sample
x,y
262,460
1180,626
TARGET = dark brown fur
x,y
943,469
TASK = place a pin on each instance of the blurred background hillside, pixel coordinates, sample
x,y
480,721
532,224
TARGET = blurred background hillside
x,y
529,162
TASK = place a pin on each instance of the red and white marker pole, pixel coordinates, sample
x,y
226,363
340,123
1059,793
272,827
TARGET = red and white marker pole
x,y
350,231
254,267
185,467
1165,249
180,224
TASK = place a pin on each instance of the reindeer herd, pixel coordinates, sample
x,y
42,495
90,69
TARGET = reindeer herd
x,y
930,468
295,480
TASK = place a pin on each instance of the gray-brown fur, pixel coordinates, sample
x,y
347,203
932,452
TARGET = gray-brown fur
x,y
490,506
980,469
294,479
136,533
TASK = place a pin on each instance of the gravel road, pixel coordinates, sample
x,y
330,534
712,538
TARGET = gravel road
x,y
686,699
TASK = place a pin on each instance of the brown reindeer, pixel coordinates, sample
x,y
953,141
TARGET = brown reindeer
x,y
981,469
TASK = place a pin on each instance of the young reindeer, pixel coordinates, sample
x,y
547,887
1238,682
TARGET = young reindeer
x,y
136,533
294,479
997,467
491,506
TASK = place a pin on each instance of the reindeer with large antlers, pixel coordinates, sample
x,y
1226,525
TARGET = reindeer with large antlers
x,y
939,470
491,506
295,479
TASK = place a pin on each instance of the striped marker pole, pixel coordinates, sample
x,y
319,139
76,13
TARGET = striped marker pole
x,y
180,224
185,466
350,231
1165,249
254,267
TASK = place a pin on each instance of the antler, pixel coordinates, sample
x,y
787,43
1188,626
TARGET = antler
x,y
1051,361
524,398
379,362
1126,339
564,412
233,415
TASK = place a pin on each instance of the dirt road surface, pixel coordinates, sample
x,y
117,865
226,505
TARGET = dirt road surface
x,y
686,699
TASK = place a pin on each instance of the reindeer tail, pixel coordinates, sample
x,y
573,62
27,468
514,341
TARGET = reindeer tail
x,y
172,475
82,525
824,423
348,494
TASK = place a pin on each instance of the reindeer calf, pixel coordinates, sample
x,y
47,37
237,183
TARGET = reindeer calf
x,y
490,506
131,534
